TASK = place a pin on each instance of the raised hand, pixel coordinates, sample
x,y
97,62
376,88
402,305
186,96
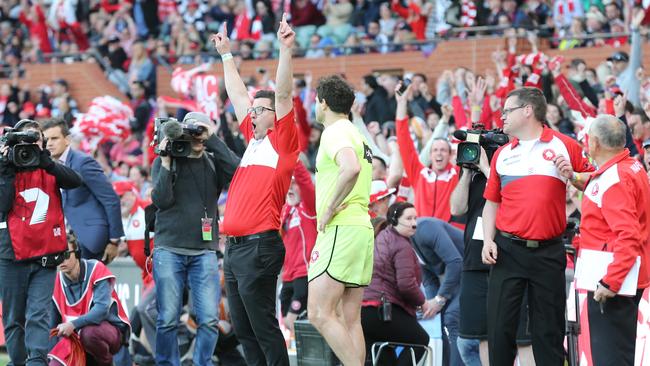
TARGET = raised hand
x,y
221,41
286,35
477,91
619,105
637,18
555,65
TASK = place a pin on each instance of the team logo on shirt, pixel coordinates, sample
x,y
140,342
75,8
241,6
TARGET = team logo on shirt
x,y
594,190
136,223
296,305
367,153
548,154
314,256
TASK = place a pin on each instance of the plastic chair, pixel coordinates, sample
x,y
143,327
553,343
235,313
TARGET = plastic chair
x,y
427,359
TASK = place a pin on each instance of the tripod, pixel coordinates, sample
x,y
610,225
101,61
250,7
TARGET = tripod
x,y
572,319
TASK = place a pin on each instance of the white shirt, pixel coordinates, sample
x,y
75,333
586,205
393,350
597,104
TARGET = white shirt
x,y
64,156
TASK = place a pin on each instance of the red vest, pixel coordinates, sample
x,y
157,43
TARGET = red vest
x,y
36,223
69,312
98,272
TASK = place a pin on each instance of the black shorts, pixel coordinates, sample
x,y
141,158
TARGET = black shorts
x,y
293,296
473,318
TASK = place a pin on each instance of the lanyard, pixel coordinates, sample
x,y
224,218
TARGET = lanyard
x,y
204,193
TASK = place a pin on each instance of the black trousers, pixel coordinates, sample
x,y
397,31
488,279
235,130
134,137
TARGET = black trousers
x,y
613,333
251,272
404,328
541,271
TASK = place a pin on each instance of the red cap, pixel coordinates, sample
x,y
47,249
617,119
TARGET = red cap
x,y
124,186
379,190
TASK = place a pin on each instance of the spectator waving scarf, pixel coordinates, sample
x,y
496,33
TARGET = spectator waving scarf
x,y
107,119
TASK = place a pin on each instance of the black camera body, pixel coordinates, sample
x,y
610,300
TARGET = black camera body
x,y
23,152
179,136
469,151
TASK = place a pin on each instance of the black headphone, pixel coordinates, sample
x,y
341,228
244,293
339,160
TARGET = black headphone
x,y
393,218
396,211
24,122
72,237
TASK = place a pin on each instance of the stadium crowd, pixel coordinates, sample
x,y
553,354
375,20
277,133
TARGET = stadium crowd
x,y
410,133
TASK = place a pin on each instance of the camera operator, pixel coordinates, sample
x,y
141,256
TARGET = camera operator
x,y
523,222
185,193
615,218
467,198
32,240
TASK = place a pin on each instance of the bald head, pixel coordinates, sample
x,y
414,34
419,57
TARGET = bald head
x,y
610,132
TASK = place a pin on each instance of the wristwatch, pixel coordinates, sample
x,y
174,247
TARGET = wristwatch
x,y
439,300
114,241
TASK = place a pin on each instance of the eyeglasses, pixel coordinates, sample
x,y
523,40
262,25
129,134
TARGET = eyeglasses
x,y
258,110
507,111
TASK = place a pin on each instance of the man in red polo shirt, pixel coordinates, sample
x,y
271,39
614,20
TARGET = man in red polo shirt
x,y
615,218
255,252
432,185
523,220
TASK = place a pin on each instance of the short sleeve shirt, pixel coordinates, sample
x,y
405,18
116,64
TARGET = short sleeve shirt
x,y
528,186
343,134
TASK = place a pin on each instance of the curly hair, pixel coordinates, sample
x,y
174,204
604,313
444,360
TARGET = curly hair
x,y
337,93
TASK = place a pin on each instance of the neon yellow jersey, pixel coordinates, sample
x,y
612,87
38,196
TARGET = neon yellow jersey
x,y
343,134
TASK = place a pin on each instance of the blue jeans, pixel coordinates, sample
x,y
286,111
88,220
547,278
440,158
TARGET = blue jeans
x,y
451,325
469,351
172,272
26,291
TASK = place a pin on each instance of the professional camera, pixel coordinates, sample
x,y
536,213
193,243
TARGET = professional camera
x,y
469,151
23,152
179,136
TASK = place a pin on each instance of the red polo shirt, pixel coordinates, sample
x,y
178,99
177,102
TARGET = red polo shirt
x,y
616,217
528,187
258,189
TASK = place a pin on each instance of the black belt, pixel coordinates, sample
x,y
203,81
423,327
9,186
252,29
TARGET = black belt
x,y
270,234
530,243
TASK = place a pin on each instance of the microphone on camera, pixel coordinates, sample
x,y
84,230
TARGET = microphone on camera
x,y
173,130
460,135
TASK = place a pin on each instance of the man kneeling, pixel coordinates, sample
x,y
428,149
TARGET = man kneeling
x,y
85,302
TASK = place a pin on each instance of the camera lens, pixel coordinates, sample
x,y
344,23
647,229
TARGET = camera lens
x,y
470,153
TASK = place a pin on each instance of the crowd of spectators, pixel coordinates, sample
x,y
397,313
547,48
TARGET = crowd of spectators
x,y
134,36
177,30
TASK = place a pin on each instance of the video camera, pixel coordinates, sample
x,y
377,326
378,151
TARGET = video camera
x,y
23,152
179,136
469,151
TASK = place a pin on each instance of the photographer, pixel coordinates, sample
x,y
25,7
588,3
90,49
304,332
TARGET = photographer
x,y
185,193
467,198
32,238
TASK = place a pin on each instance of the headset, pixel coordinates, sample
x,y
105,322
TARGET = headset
x,y
72,237
393,219
24,122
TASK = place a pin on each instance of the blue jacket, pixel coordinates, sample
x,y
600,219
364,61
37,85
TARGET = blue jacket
x,y
92,210
440,246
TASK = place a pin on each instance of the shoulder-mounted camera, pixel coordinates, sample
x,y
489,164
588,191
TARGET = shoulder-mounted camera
x,y
23,151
